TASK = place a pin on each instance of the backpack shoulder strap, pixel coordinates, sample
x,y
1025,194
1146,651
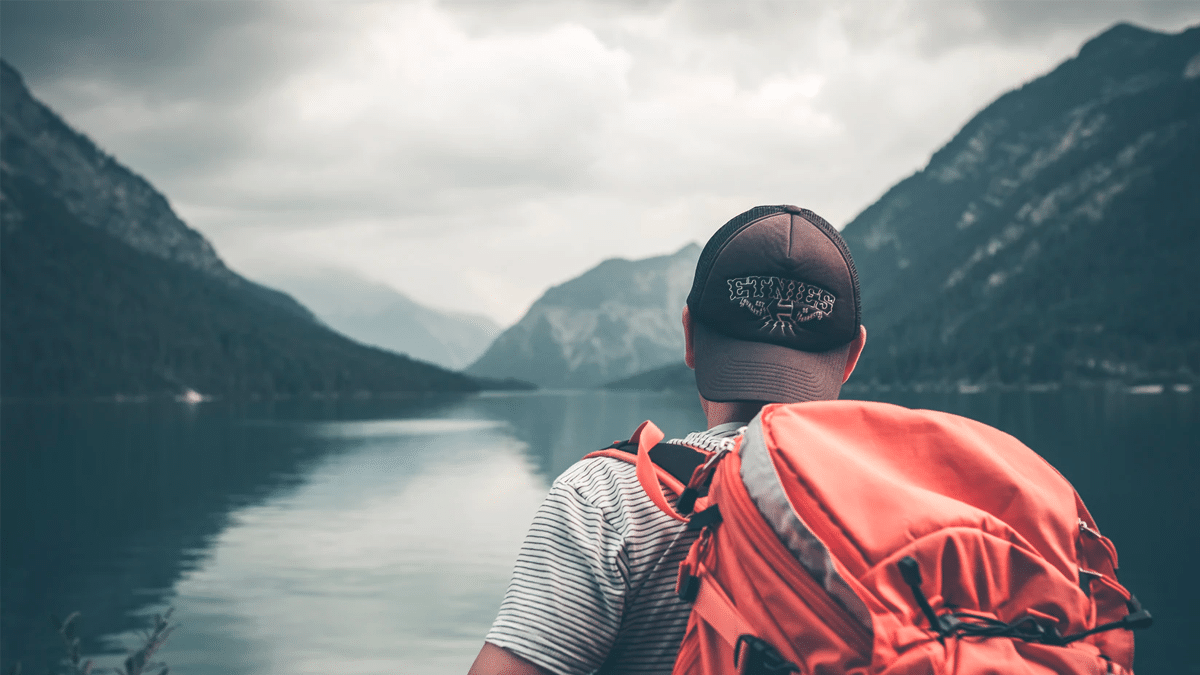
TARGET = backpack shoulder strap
x,y
672,464
679,461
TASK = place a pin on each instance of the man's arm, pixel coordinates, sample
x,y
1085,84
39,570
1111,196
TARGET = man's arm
x,y
493,660
566,599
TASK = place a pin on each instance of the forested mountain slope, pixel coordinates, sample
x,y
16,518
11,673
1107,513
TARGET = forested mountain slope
x,y
1055,237
104,291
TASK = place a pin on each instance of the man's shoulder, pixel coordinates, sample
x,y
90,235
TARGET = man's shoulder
x,y
591,474
610,485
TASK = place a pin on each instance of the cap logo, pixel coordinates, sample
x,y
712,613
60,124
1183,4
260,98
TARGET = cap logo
x,y
780,304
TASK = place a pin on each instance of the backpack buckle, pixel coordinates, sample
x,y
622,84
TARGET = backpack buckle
x,y
701,479
760,657
705,518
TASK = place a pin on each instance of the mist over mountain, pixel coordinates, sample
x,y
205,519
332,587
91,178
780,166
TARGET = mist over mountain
x,y
104,291
1055,237
377,315
619,318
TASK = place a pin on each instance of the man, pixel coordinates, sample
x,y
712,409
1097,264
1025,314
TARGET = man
x,y
773,317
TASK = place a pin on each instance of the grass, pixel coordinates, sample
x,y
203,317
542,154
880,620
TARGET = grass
x,y
139,661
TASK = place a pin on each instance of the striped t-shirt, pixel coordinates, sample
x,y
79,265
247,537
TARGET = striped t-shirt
x,y
593,589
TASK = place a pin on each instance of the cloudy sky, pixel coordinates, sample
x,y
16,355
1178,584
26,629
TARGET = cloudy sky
x,y
472,153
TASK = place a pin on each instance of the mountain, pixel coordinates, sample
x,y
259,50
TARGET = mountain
x,y
671,377
1055,237
104,291
377,315
99,192
619,318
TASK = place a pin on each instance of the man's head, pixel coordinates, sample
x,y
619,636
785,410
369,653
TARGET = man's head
x,y
774,313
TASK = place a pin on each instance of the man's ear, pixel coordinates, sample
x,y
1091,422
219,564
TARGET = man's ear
x,y
856,348
689,355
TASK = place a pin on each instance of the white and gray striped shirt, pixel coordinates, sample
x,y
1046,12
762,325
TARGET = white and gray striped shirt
x,y
593,589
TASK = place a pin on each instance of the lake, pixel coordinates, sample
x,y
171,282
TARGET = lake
x,y
377,536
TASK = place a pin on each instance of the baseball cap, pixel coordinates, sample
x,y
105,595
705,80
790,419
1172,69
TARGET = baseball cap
x,y
774,307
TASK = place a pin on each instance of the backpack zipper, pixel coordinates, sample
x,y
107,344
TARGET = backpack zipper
x,y
1104,541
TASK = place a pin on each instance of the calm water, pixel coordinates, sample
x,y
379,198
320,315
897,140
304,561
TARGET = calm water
x,y
377,536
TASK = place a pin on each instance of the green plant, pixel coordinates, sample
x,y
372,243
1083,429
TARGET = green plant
x,y
138,662
66,630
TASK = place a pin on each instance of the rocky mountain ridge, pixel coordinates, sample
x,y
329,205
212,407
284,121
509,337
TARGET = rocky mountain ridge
x,y
619,318
1054,238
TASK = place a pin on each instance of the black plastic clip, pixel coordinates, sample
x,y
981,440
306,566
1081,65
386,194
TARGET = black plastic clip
x,y
687,500
910,570
761,658
701,520
1136,619
689,588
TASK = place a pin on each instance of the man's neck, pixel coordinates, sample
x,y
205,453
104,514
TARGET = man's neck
x,y
733,411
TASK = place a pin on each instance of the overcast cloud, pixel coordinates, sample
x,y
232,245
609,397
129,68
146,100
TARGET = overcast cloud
x,y
472,153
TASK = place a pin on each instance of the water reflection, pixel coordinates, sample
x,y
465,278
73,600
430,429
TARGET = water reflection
x,y
104,506
390,558
394,554
560,427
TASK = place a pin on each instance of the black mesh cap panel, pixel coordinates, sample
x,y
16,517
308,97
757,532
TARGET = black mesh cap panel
x,y
716,242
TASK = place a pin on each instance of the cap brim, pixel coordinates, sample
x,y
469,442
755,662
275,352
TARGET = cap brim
x,y
728,369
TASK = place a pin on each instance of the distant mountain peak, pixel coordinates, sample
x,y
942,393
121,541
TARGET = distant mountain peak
x,y
379,315
616,319
1121,36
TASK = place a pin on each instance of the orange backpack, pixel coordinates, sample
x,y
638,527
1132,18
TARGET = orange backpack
x,y
858,537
